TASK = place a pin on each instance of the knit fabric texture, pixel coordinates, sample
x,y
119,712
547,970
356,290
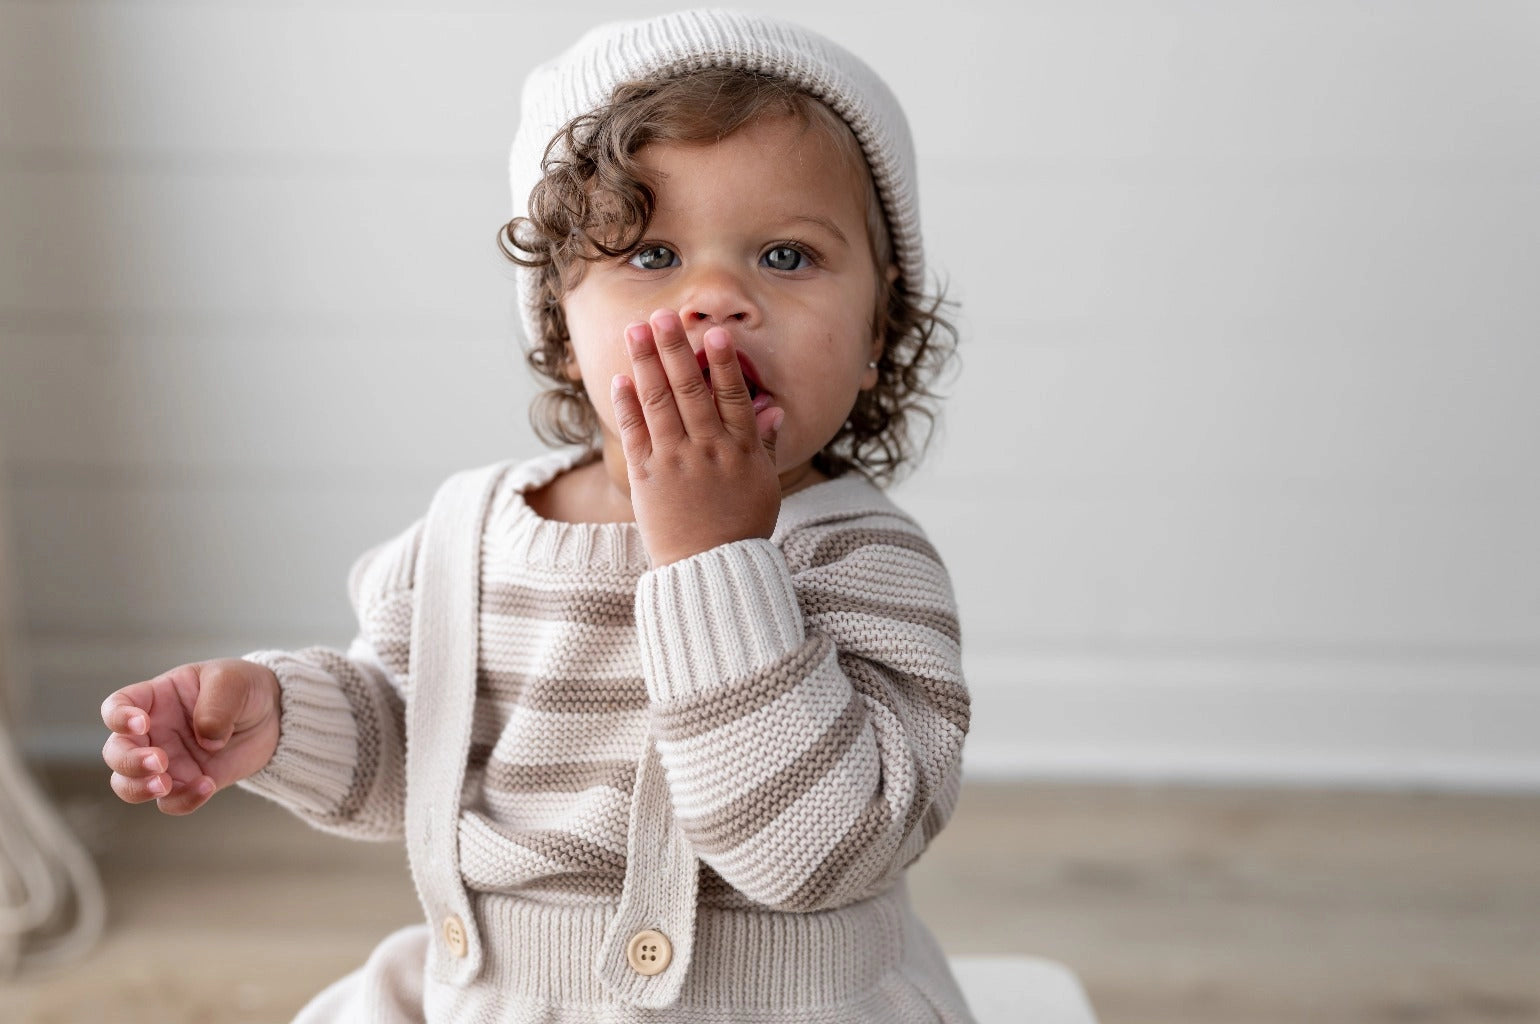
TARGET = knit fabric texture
x,y
583,78
799,703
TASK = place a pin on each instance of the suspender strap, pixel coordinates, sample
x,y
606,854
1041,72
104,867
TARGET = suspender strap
x,y
662,878
440,701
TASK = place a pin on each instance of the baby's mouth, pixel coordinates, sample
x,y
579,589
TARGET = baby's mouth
x,y
761,398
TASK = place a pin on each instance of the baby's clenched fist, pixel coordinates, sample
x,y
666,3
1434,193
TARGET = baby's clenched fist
x,y
180,737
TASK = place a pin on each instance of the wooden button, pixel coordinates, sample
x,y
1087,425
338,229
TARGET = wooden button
x,y
454,935
649,952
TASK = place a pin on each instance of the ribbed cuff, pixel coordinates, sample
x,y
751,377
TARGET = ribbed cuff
x,y
714,617
312,769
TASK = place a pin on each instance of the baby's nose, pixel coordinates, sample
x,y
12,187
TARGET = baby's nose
x,y
695,314
716,298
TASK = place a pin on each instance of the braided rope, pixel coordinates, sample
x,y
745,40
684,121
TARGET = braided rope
x,y
52,908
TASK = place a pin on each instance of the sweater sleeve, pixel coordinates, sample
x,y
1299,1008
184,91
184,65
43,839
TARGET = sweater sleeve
x,y
810,722
341,757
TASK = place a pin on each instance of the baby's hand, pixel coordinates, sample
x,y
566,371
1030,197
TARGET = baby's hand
x,y
700,460
181,736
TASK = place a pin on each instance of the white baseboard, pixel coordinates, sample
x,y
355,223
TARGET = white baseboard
x,y
1334,722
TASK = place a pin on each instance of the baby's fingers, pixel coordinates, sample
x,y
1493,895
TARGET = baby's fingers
x,y
138,771
728,387
768,422
132,757
187,797
635,438
142,789
654,393
124,711
223,695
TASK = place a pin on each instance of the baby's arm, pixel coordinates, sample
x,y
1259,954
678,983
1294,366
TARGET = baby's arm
x,y
317,730
811,724
340,764
341,759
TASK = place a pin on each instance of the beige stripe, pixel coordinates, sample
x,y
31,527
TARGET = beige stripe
x,y
394,654
921,801
537,647
822,603
716,893
876,686
540,737
572,777
599,813
857,846
811,549
575,696
693,716
589,607
884,682
494,859
935,819
738,821
572,854
599,885
387,624
366,723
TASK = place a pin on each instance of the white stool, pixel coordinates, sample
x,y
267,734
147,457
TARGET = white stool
x,y
1021,990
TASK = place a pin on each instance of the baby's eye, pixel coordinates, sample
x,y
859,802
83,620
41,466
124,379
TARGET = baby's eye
x,y
654,257
785,257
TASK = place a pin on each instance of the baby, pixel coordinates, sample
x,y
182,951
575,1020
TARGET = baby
x,y
662,716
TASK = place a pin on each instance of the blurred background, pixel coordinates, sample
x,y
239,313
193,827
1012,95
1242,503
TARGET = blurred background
x,y
1238,479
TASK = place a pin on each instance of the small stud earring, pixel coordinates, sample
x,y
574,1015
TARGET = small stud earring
x,y
872,365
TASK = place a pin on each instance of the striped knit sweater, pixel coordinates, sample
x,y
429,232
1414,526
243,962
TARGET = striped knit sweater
x,y
804,694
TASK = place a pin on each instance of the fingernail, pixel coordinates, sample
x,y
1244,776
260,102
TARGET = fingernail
x,y
636,333
717,338
204,787
152,763
777,419
136,723
157,786
210,745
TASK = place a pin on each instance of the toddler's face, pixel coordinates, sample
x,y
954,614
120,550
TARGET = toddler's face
x,y
763,233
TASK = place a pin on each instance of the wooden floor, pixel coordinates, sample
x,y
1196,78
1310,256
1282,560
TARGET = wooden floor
x,y
1174,905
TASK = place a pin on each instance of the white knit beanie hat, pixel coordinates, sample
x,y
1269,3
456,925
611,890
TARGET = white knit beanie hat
x,y
583,78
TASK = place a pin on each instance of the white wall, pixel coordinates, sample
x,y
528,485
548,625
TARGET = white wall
x,y
1239,478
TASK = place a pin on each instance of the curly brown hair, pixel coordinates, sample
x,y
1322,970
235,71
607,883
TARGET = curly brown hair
x,y
593,202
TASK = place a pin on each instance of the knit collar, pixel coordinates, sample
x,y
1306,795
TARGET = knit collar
x,y
617,547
